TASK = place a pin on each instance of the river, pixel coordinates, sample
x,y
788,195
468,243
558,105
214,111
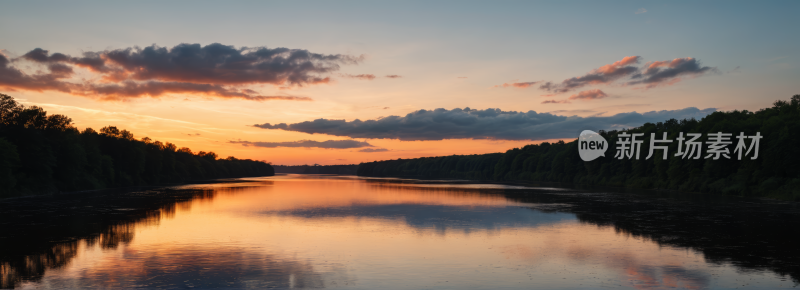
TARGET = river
x,y
326,231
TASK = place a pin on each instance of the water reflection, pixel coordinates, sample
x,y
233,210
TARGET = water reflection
x,y
331,231
202,267
753,235
43,233
638,264
440,217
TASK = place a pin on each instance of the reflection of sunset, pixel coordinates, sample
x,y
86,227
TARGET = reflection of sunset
x,y
640,263
202,266
295,193
301,231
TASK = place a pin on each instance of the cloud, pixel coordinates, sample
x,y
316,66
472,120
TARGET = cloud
x,y
556,102
521,85
440,124
604,75
41,55
368,77
330,144
461,77
589,95
652,74
215,69
12,78
572,111
584,95
225,64
370,150
130,89
668,72
640,11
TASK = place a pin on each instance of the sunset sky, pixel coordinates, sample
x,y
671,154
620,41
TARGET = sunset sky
x,y
347,82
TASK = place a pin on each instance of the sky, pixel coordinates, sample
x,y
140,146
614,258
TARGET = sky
x,y
346,82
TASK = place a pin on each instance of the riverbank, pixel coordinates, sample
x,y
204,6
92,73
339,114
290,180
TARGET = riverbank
x,y
131,188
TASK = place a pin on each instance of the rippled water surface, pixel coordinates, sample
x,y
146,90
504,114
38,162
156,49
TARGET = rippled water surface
x,y
307,231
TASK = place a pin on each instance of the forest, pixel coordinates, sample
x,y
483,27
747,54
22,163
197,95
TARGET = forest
x,y
41,153
774,173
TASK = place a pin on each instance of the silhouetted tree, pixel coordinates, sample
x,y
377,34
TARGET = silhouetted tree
x,y
42,153
775,173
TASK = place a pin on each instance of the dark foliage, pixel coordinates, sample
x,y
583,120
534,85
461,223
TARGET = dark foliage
x,y
775,173
42,153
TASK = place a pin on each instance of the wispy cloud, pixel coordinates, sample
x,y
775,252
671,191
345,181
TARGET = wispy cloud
x,y
393,76
371,150
469,123
329,144
368,77
584,95
520,85
604,75
625,72
118,116
662,73
556,102
640,11
589,95
572,111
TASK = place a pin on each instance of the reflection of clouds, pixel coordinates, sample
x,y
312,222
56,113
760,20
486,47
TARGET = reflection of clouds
x,y
439,217
642,276
202,267
635,261
677,276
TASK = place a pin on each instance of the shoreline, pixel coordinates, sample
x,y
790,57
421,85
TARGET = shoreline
x,y
126,189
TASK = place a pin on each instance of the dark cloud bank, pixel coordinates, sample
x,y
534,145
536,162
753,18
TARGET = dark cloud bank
x,y
215,69
468,123
329,144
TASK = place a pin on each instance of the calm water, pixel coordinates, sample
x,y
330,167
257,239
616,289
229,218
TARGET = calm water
x,y
296,231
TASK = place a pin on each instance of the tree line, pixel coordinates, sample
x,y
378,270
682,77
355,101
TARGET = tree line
x,y
775,173
41,153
